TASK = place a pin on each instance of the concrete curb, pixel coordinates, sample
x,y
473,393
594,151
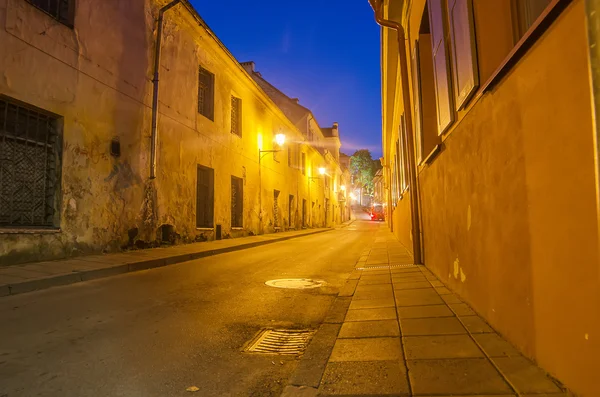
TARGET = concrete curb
x,y
134,265
306,379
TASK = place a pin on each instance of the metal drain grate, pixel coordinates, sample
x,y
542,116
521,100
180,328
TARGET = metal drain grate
x,y
384,267
280,341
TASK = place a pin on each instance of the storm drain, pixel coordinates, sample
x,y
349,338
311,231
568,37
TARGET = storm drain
x,y
280,341
384,267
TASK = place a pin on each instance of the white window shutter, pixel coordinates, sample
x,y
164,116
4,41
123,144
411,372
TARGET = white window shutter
x,y
464,51
441,66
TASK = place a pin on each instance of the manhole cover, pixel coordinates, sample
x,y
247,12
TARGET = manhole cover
x,y
280,341
295,283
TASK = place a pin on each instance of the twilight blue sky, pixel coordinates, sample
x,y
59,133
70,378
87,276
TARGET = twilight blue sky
x,y
326,53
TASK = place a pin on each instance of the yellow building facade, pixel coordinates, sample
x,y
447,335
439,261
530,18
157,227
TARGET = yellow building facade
x,y
83,168
489,166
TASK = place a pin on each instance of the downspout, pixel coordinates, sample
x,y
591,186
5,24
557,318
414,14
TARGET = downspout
x,y
592,13
377,6
154,139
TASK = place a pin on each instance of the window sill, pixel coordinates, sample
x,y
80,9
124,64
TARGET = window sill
x,y
30,231
536,30
237,228
206,228
430,157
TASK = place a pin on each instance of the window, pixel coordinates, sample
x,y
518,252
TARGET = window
x,y
445,110
303,212
527,12
289,156
303,165
464,54
204,197
206,93
61,10
425,107
291,210
236,116
276,208
30,155
417,99
237,202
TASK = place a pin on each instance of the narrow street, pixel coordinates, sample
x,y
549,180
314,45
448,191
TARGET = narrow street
x,y
158,332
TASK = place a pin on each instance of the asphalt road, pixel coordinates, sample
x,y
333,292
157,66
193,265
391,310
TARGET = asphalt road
x,y
158,332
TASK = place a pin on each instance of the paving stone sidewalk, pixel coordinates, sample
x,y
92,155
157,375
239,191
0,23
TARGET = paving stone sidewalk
x,y
40,275
395,329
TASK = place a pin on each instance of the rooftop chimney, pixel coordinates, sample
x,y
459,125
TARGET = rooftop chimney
x,y
335,125
249,66
295,100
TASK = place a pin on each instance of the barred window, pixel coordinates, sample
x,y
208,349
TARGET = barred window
x,y
30,153
61,10
206,93
236,116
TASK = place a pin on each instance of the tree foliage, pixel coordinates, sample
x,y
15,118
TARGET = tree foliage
x,y
363,168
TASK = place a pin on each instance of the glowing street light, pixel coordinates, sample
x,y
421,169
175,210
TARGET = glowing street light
x,y
343,187
280,139
322,170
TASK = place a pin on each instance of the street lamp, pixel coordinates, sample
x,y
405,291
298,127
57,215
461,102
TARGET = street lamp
x,y
279,141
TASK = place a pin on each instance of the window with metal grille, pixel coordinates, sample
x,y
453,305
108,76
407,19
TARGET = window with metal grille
x,y
61,10
204,197
236,116
237,202
206,93
30,154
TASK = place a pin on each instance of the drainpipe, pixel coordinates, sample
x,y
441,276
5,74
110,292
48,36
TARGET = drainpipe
x,y
154,139
592,13
377,6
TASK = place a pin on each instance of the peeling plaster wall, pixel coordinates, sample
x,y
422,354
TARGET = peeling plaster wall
x,y
98,77
99,90
509,208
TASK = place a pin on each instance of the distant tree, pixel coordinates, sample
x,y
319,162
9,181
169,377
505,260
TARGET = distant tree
x,y
363,169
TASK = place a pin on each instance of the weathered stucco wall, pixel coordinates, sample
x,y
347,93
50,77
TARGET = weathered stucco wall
x,y
98,77
509,208
100,91
402,225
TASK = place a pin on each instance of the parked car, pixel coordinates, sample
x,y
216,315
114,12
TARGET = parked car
x,y
377,213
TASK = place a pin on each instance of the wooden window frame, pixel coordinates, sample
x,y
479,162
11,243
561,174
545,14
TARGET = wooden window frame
x,y
535,31
417,101
207,109
463,91
442,123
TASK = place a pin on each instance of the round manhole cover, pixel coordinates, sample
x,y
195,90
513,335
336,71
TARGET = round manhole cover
x,y
295,283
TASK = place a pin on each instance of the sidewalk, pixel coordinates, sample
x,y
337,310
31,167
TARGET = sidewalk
x,y
395,329
40,275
